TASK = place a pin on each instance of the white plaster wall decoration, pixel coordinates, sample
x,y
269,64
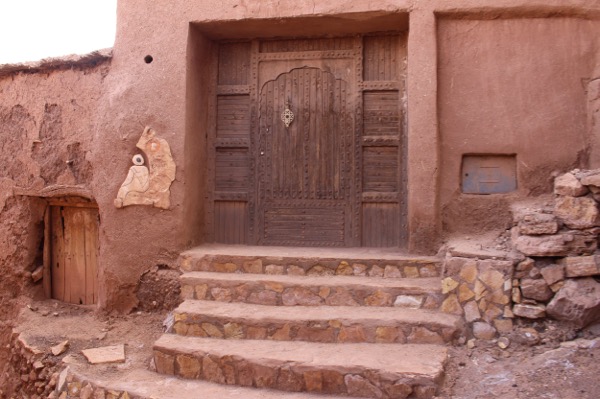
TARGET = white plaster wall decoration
x,y
149,185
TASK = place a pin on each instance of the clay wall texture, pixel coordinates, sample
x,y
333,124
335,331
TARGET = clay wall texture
x,y
501,78
512,86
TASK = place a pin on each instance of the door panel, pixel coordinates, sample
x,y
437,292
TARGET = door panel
x,y
306,168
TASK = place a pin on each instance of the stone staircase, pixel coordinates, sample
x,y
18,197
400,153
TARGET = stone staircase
x,y
350,322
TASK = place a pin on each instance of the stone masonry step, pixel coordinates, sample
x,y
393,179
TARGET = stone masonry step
x,y
315,323
285,290
309,261
142,383
360,370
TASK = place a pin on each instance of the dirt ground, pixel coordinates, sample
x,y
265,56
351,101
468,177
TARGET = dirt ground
x,y
542,360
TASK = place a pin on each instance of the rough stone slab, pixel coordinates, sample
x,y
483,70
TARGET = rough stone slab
x,y
305,290
568,184
323,323
577,301
212,257
562,244
419,363
105,354
146,384
581,266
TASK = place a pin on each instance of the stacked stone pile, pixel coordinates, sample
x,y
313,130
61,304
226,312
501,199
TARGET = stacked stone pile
x,y
560,241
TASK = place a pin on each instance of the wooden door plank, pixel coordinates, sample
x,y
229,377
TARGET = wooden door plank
x,y
47,255
58,253
91,255
77,273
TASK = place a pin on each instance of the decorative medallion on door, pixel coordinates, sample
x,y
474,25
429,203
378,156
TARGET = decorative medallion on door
x,y
287,116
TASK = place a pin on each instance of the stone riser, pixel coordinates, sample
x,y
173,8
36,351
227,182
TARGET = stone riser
x,y
393,268
310,331
290,377
315,294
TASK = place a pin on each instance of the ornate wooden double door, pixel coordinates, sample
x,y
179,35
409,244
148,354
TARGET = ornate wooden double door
x,y
307,147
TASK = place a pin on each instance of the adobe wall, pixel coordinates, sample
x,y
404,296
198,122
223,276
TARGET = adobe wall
x,y
47,127
512,86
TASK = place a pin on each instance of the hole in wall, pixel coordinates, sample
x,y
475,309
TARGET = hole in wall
x,y
148,59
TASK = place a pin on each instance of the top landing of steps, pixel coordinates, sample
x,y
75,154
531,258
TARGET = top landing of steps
x,y
375,262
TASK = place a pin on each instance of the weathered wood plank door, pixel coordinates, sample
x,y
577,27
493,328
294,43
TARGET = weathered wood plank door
x,y
74,251
306,168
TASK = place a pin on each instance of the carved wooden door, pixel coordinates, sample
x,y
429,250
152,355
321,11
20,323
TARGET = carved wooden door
x,y
335,176
306,168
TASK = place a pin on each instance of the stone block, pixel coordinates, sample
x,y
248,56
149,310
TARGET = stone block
x,y
492,278
376,271
233,331
591,178
253,266
379,298
553,273
562,244
581,266
211,371
503,326
274,269
344,269
341,297
409,301
319,270
300,296
361,387
388,335
568,184
428,271
225,267
469,272
188,366
451,305
536,289
421,335
537,223
483,330
352,334
294,270
263,297
359,269
529,311
448,285
578,301
577,212
392,272
472,312
465,293
411,272
289,381
313,380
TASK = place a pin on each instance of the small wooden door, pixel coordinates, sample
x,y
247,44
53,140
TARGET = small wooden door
x,y
74,251
306,168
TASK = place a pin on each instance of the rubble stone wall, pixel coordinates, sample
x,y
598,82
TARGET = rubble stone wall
x,y
479,290
39,375
560,240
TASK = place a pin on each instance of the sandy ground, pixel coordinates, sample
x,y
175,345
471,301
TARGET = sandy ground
x,y
542,360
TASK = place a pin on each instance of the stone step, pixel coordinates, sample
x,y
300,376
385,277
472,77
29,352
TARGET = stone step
x,y
360,370
315,323
141,383
285,290
378,262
